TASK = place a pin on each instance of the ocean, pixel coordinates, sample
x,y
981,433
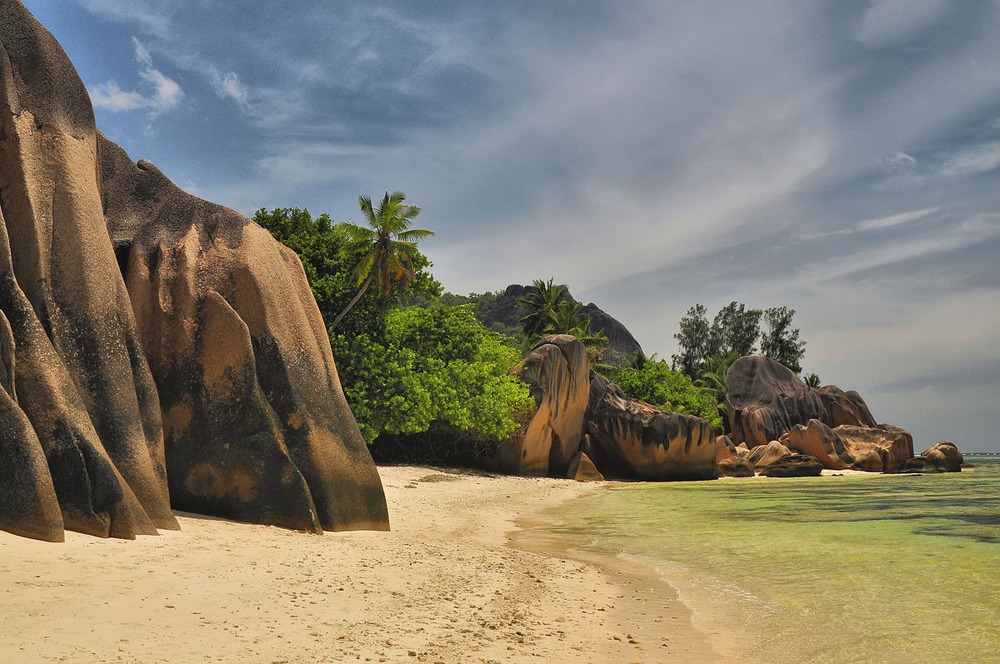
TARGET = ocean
x,y
852,568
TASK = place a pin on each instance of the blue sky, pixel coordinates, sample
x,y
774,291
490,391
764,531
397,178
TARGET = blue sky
x,y
840,158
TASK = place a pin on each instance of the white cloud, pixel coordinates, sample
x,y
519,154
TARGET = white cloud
x,y
895,219
112,98
230,86
981,159
160,93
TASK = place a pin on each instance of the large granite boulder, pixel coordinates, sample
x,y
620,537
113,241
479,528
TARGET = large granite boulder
x,y
794,465
943,456
78,391
631,439
763,456
255,423
216,311
764,399
873,449
877,449
558,372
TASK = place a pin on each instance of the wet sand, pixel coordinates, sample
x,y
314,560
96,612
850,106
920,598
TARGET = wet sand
x,y
462,577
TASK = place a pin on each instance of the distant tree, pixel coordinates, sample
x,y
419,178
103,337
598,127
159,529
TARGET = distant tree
x,y
735,330
812,380
694,340
391,246
779,341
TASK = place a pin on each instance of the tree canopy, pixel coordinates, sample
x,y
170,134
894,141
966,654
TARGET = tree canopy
x,y
735,331
390,246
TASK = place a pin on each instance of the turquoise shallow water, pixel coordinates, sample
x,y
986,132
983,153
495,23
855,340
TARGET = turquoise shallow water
x,y
854,568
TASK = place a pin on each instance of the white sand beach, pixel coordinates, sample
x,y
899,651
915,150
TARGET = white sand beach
x,y
444,585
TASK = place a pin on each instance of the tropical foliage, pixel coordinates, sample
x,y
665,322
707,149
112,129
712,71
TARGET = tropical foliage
x,y
390,244
659,385
736,330
432,365
550,310
404,370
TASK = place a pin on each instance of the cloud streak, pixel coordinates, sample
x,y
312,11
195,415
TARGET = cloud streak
x,y
159,93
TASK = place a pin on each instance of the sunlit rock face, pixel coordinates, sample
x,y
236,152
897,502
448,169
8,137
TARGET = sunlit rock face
x,y
256,425
216,311
874,449
79,405
557,370
767,402
764,399
631,439
943,456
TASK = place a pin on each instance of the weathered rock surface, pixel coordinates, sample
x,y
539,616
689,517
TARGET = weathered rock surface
x,y
794,465
558,372
78,391
582,469
766,402
765,399
226,318
943,456
736,467
763,456
256,424
874,449
724,449
631,439
877,449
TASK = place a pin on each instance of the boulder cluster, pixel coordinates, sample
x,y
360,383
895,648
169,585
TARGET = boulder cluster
x,y
155,349
583,427
779,427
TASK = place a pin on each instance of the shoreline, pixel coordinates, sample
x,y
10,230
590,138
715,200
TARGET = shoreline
x,y
464,575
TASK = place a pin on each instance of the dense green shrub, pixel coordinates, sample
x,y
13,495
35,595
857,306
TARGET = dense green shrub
x,y
658,385
433,365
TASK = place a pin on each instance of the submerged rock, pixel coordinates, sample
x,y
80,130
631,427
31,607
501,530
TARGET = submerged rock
x,y
736,467
763,456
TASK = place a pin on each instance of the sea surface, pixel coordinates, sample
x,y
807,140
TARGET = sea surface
x,y
853,568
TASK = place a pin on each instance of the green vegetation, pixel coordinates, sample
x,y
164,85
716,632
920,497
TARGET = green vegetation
x,y
549,310
403,370
432,365
735,330
433,370
391,247
659,385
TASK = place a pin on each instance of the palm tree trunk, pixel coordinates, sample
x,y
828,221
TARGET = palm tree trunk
x,y
354,300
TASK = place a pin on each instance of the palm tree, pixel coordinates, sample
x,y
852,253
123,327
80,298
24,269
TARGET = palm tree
x,y
543,304
391,246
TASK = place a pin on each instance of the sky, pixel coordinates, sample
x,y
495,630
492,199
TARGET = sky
x,y
840,158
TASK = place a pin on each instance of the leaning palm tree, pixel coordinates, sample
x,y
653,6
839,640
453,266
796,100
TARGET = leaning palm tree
x,y
391,246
